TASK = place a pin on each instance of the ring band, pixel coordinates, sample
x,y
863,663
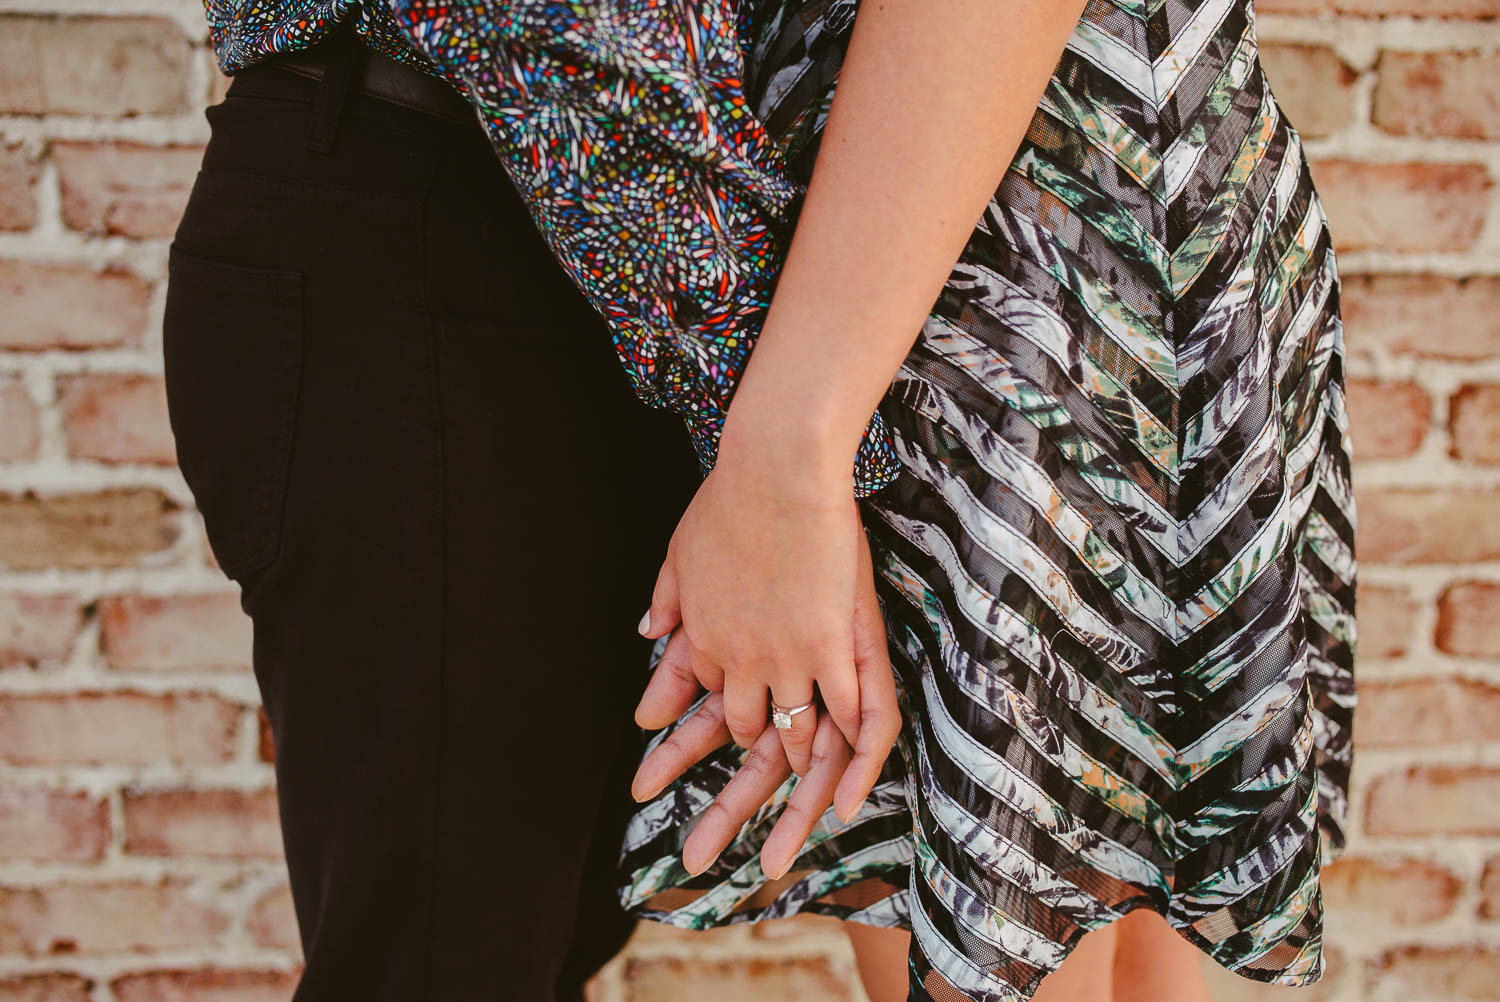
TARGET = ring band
x,y
781,716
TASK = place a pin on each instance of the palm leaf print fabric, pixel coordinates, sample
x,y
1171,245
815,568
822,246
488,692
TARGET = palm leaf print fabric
x,y
1114,534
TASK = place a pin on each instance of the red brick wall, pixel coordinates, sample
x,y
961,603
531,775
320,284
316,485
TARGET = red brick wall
x,y
139,853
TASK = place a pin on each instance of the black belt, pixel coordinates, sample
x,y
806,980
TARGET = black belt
x,y
381,76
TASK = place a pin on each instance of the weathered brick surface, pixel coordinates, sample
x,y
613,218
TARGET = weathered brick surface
x,y
62,305
140,855
37,629
1394,313
272,920
1426,711
175,632
1469,619
108,528
1403,206
46,988
89,917
1453,973
1400,526
1474,423
229,823
211,985
1395,891
18,173
125,188
1386,617
1435,800
116,418
43,824
1439,94
20,421
138,728
92,65
1312,85
1392,417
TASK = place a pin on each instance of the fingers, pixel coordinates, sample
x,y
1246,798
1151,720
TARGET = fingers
x,y
880,715
694,739
665,610
765,768
746,709
813,794
797,740
672,687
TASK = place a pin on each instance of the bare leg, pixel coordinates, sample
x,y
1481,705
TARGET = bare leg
x,y
1085,976
880,954
1153,962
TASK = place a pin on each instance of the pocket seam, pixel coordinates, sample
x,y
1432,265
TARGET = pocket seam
x,y
285,288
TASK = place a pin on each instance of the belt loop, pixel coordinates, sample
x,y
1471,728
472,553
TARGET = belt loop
x,y
344,57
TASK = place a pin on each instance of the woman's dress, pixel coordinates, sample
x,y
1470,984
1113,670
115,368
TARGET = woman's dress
x,y
1107,493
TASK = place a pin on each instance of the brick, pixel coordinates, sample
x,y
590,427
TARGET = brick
x,y
1425,711
1474,424
267,745
1313,86
1468,621
118,728
20,421
1489,889
206,985
108,528
1450,973
1392,418
220,823
1403,206
797,927
107,66
18,174
117,417
69,306
1386,617
1449,93
1404,313
1384,8
52,824
273,921
37,629
49,987
1398,526
1435,800
1390,892
99,917
174,632
125,188
748,979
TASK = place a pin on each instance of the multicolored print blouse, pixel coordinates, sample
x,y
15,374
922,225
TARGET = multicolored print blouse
x,y
629,132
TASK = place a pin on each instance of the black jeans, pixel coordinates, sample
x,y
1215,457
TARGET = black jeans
x,y
414,450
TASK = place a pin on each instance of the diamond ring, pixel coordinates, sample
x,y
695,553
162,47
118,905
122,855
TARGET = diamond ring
x,y
781,716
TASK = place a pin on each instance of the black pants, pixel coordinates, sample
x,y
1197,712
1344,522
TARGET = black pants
x,y
414,450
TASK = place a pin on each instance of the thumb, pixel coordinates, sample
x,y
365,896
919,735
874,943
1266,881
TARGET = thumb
x,y
665,611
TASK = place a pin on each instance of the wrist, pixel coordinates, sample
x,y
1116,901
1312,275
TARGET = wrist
x,y
796,453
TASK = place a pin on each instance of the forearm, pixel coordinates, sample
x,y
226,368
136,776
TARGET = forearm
x,y
932,103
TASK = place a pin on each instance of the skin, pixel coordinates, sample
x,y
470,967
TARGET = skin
x,y
767,585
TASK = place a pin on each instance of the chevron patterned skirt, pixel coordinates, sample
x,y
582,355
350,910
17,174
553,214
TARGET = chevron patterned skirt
x,y
1117,568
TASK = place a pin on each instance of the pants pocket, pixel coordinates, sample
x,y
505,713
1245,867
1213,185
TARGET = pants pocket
x,y
232,349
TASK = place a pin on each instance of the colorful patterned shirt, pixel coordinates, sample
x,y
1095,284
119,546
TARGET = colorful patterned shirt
x,y
653,167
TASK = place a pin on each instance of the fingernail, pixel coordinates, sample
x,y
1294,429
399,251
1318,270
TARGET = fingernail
x,y
645,623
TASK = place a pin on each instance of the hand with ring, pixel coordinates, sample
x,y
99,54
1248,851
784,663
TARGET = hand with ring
x,y
805,736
